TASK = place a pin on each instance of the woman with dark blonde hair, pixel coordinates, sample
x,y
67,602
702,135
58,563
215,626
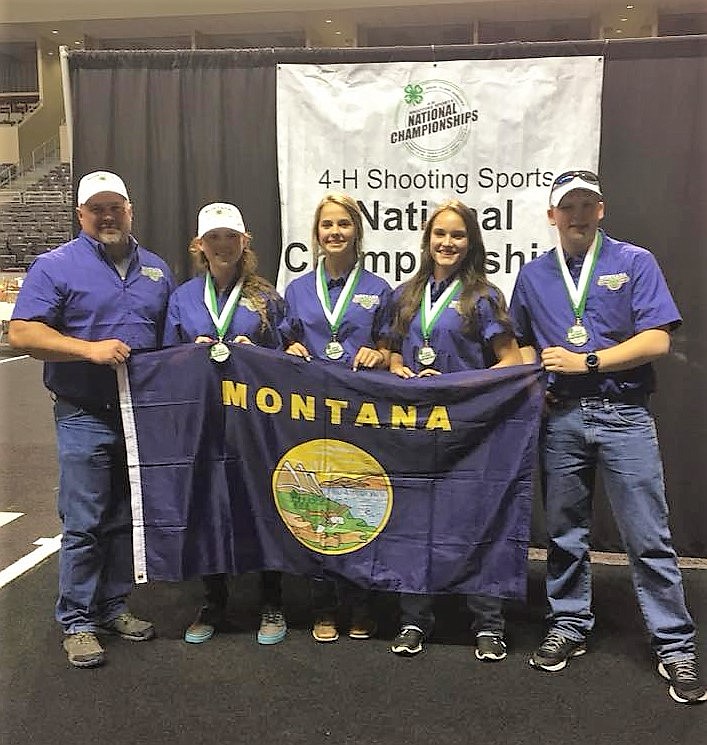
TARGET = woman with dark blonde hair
x,y
227,302
224,260
450,318
336,313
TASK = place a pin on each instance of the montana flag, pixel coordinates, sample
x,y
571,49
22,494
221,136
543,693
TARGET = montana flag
x,y
267,461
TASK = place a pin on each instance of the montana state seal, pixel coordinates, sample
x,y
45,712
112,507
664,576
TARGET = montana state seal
x,y
333,497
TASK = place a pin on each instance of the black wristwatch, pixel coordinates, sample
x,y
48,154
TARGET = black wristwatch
x,y
592,362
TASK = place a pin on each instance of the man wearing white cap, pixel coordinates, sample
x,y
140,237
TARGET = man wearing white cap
x,y
83,308
598,312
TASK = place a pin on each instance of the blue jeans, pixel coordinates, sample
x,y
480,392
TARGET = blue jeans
x,y
95,560
620,440
416,610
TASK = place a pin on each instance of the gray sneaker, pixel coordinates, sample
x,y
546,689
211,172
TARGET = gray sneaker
x,y
127,626
83,649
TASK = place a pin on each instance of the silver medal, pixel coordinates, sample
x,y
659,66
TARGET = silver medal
x,y
334,350
426,355
577,335
219,352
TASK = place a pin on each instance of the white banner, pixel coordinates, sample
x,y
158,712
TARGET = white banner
x,y
403,137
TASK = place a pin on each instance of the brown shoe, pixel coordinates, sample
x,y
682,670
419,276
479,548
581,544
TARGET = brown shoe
x,y
83,649
362,627
324,629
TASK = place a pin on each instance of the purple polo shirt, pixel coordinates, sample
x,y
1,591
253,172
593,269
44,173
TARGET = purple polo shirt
x,y
306,323
627,294
188,317
456,350
77,290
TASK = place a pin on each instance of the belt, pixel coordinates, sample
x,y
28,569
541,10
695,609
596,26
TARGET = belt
x,y
634,398
92,407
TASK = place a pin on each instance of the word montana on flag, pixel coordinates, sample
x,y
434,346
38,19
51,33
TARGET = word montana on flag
x,y
267,461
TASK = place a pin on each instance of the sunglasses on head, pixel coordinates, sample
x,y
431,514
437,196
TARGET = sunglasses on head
x,y
563,178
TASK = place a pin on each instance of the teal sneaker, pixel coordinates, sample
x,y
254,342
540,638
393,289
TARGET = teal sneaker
x,y
204,626
273,627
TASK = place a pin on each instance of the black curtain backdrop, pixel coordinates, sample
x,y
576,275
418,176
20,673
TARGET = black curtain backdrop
x,y
185,128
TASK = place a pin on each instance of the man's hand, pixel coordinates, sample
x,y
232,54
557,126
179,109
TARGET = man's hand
x,y
108,352
561,360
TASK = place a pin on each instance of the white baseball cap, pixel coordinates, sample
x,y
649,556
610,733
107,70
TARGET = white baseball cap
x,y
571,180
220,215
98,181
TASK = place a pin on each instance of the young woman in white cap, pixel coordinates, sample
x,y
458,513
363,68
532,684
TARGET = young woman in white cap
x,y
227,301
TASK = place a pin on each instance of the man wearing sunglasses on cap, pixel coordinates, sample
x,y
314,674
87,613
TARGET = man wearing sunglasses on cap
x,y
597,312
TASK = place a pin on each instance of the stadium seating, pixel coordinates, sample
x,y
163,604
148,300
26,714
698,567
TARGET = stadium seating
x,y
35,219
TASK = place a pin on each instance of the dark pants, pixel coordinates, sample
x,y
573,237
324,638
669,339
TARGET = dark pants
x,y
216,590
416,610
328,594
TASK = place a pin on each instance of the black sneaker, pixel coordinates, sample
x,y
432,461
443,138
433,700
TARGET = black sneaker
x,y
554,651
685,686
408,642
490,647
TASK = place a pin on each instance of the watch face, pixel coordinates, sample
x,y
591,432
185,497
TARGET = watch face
x,y
592,361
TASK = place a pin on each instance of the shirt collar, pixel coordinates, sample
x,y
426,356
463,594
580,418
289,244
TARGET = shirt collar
x,y
579,260
437,288
100,247
332,282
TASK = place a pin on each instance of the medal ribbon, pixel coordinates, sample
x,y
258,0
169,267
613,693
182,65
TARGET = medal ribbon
x,y
578,294
429,312
335,317
221,320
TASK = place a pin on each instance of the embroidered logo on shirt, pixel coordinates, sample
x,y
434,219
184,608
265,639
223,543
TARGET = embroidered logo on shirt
x,y
613,281
153,272
366,301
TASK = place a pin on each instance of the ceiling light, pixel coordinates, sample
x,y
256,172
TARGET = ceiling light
x,y
338,33
629,7
77,42
619,31
54,31
624,19
328,20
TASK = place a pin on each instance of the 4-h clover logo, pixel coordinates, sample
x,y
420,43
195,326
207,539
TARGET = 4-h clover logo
x,y
432,119
413,94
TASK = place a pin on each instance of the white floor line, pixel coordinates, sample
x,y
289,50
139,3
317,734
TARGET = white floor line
x,y
47,546
8,517
14,359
